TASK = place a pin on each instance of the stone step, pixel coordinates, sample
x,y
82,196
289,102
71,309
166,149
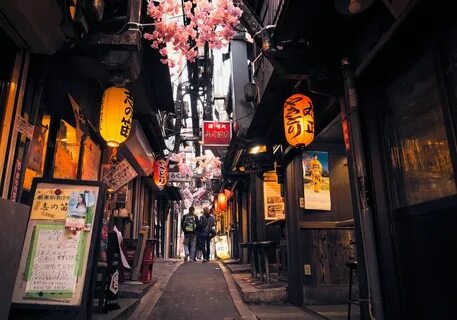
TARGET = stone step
x,y
276,293
134,289
238,268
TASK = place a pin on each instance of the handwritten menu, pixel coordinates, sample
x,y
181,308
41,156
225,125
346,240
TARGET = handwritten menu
x,y
119,175
54,260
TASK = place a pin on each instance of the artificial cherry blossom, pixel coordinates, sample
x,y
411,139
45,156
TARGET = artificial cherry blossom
x,y
211,22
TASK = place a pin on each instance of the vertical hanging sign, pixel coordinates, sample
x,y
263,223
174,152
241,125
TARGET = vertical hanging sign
x,y
161,173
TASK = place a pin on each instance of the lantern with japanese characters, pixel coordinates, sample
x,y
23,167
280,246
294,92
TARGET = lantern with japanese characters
x,y
299,120
161,173
221,201
116,115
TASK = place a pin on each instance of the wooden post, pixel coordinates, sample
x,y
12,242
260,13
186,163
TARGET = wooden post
x,y
293,192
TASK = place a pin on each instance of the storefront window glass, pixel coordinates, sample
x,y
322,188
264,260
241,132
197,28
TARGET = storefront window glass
x,y
67,152
35,162
91,160
418,149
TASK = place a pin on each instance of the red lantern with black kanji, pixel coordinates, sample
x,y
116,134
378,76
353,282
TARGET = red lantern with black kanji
x,y
299,120
161,173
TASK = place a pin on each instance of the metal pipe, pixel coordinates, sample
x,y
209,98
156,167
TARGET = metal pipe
x,y
384,40
363,216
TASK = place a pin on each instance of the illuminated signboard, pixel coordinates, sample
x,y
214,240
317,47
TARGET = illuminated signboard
x,y
217,134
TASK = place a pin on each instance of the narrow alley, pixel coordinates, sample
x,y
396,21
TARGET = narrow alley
x,y
187,291
196,291
228,159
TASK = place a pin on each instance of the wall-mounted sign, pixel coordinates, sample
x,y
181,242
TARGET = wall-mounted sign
x,y
217,134
178,177
272,200
316,180
119,175
24,127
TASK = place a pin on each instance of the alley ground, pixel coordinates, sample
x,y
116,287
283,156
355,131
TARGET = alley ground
x,y
204,291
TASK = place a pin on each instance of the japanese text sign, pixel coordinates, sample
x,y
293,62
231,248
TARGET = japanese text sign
x,y
217,134
119,175
50,204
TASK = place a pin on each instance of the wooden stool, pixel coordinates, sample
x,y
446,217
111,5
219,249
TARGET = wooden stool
x,y
352,265
264,261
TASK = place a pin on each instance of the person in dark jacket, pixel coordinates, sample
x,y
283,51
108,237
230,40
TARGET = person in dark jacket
x,y
208,225
189,227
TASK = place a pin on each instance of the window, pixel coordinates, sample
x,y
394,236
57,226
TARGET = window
x,y
67,152
418,151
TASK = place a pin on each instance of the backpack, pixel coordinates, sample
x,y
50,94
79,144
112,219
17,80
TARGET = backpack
x,y
189,223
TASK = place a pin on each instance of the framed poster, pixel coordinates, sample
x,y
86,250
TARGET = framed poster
x,y
57,264
316,180
272,200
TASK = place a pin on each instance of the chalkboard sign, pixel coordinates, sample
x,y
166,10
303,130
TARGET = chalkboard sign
x,y
56,270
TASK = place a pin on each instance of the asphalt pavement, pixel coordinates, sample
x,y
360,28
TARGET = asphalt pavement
x,y
196,291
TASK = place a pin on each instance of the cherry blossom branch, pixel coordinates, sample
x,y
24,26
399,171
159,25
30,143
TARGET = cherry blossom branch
x,y
211,22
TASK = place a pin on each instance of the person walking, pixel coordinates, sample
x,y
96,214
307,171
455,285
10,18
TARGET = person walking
x,y
208,232
189,227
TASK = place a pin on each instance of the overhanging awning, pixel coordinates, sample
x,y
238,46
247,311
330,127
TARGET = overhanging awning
x,y
138,151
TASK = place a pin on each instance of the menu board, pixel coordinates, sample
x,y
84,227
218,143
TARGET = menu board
x,y
273,202
119,175
54,262
58,259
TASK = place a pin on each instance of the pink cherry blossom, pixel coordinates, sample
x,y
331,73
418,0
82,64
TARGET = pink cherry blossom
x,y
211,22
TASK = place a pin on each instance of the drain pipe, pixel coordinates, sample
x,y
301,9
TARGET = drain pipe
x,y
372,304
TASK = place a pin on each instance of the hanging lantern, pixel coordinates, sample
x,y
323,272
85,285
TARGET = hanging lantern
x,y
116,115
161,173
222,201
299,120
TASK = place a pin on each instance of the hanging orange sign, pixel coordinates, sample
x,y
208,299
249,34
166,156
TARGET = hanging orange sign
x,y
299,120
161,173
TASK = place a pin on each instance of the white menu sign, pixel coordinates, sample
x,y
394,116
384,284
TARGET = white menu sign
x,y
54,260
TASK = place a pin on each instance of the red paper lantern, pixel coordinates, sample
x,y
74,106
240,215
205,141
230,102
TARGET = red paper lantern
x,y
299,120
161,173
222,201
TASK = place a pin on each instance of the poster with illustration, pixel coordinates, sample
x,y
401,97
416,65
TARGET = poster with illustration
x,y
316,180
80,205
272,200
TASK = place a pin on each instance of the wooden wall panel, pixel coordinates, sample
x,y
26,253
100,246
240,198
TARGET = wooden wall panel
x,y
331,249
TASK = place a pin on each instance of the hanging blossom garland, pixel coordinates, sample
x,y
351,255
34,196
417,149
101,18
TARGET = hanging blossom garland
x,y
211,22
